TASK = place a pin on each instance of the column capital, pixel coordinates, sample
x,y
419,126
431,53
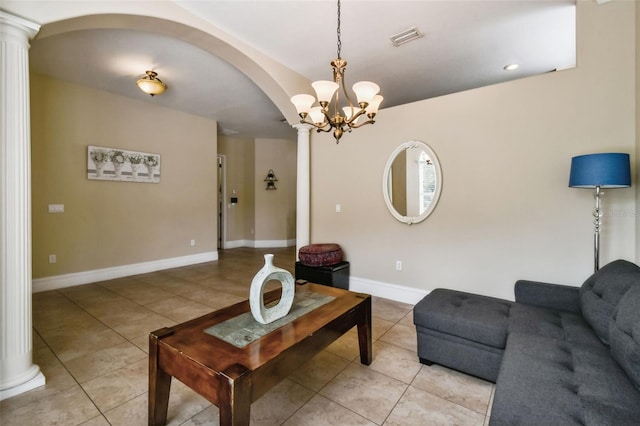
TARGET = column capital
x,y
16,27
303,128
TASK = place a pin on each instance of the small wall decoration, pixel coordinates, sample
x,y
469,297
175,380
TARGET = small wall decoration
x,y
122,165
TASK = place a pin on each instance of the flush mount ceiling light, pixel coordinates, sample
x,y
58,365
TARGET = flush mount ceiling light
x,y
406,36
151,84
327,117
511,67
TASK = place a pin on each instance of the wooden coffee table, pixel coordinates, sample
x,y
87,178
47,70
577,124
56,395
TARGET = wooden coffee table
x,y
233,377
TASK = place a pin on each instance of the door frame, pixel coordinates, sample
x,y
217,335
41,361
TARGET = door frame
x,y
221,194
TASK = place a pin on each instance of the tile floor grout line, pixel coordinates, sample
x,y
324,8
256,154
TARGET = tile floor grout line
x,y
338,402
314,393
102,413
102,322
77,383
395,405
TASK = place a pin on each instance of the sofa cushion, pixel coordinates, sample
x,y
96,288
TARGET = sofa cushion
x,y
544,381
469,316
460,354
601,292
624,333
550,323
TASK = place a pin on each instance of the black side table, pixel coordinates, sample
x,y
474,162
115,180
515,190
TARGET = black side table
x,y
334,275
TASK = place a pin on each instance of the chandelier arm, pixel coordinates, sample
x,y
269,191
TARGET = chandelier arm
x,y
344,90
316,125
333,121
355,117
361,124
327,117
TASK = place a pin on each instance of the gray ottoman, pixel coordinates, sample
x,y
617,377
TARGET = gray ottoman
x,y
463,331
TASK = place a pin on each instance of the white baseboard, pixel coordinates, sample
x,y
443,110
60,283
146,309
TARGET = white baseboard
x,y
395,292
273,243
375,288
86,277
36,382
238,243
259,243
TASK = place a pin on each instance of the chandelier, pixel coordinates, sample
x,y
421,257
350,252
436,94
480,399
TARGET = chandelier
x,y
327,117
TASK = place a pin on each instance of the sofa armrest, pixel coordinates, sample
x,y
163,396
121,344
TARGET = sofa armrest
x,y
551,296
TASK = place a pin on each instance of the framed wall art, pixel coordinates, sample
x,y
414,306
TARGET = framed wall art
x,y
122,165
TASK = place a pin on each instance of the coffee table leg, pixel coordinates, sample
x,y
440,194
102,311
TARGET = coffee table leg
x,y
234,396
159,386
364,333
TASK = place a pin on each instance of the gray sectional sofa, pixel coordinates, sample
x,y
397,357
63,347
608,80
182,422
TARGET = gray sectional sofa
x,y
559,355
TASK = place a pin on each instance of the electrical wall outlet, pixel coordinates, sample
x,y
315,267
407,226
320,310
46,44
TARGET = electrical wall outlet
x,y
52,258
398,265
193,243
56,208
338,208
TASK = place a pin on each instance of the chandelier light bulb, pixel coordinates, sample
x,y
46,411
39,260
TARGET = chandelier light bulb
x,y
324,90
316,115
373,106
365,91
303,103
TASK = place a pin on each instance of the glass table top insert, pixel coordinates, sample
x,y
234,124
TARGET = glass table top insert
x,y
244,329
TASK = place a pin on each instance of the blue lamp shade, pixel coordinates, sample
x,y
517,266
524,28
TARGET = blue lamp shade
x,y
610,170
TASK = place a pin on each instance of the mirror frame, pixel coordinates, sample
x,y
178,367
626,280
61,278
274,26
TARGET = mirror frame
x,y
409,220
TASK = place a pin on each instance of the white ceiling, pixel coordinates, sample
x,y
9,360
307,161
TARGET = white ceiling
x,y
466,44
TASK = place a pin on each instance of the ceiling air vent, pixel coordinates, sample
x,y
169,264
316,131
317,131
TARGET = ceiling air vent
x,y
228,132
406,36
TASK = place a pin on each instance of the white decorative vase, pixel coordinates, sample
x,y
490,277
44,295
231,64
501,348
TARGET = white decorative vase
x,y
99,169
118,169
256,295
134,170
152,171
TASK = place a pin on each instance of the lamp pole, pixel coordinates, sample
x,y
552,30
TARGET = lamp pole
x,y
597,194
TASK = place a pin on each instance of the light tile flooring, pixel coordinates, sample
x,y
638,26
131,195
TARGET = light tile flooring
x,y
91,343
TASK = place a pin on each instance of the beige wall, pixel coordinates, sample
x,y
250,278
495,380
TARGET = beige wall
x,y
240,159
107,224
275,210
505,211
261,218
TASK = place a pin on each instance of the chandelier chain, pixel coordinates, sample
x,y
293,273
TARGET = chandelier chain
x,y
338,31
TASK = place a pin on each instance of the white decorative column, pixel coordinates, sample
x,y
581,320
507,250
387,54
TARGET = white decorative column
x,y
303,187
18,374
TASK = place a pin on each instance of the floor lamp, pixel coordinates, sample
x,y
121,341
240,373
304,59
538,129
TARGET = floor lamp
x,y
598,171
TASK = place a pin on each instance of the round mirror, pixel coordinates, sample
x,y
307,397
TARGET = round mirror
x,y
412,182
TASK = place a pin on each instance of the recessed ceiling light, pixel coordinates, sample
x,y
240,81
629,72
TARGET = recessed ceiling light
x,y
406,36
511,67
